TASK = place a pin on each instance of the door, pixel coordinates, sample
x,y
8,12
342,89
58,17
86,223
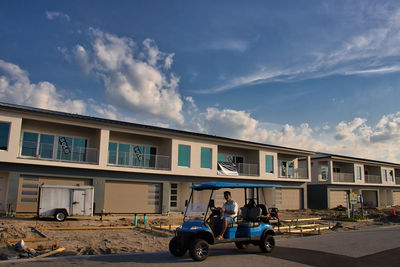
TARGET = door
x,y
3,193
337,198
78,202
288,199
132,197
396,198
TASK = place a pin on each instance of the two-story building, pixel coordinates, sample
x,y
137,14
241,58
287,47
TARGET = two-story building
x,y
334,177
134,168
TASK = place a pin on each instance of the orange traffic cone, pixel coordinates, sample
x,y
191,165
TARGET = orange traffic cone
x,y
393,212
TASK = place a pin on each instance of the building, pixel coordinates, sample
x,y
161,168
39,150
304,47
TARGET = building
x,y
334,177
134,168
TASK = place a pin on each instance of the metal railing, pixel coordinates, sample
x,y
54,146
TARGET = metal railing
x,y
299,173
58,153
343,177
397,179
373,179
146,161
247,169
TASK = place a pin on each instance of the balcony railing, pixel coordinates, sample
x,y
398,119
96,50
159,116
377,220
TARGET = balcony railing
x,y
50,152
144,161
373,179
247,169
343,177
397,179
299,173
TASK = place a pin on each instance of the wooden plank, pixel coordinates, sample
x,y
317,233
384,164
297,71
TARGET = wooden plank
x,y
86,228
302,219
13,240
309,230
50,253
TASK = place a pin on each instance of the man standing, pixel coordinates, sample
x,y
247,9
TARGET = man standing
x,y
229,212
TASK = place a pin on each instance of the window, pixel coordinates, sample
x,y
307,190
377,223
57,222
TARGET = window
x,y
206,158
269,164
184,156
46,146
286,168
385,175
358,173
79,149
336,169
221,157
4,135
29,144
174,195
391,176
324,173
112,153
123,154
144,156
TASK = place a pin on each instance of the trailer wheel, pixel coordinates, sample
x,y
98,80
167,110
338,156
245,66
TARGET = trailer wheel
x,y
60,216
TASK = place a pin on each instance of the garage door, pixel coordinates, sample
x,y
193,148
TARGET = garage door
x,y
396,198
128,197
288,199
337,198
28,191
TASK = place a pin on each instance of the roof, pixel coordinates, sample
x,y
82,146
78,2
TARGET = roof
x,y
20,108
348,158
219,185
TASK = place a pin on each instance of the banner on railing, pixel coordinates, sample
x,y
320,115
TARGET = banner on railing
x,y
227,168
138,152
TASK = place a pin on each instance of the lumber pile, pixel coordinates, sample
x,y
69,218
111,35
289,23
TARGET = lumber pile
x,y
302,225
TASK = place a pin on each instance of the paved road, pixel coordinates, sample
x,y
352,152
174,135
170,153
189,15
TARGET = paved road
x,y
372,247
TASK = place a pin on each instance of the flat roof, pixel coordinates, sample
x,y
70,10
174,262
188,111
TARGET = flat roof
x,y
21,108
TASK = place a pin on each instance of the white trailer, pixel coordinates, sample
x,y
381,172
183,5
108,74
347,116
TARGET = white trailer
x,y
61,201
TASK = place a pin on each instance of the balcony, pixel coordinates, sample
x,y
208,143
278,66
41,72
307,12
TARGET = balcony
x,y
233,169
48,152
141,161
247,169
291,173
397,179
373,179
343,177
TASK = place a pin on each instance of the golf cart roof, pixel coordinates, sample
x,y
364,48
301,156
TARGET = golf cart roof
x,y
219,185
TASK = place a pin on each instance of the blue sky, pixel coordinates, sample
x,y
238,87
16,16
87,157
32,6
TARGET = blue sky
x,y
317,75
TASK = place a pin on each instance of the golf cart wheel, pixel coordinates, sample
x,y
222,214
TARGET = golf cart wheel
x,y
199,250
60,216
241,245
267,243
176,248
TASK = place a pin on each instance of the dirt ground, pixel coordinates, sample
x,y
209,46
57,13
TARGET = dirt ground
x,y
90,242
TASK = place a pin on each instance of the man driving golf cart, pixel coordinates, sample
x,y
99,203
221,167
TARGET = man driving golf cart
x,y
196,234
228,214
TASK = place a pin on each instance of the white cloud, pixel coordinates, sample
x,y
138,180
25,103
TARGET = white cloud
x,y
53,14
232,45
134,75
15,87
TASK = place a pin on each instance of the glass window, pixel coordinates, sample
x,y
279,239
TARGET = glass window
x,y
385,175
64,148
79,149
184,156
4,135
221,157
358,173
29,144
112,153
206,154
269,164
138,155
324,173
46,146
123,154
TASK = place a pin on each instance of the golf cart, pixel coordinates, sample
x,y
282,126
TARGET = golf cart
x,y
251,226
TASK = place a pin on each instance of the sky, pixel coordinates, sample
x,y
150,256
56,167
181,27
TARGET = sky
x,y
316,75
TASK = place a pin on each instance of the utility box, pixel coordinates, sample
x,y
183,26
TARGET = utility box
x,y
61,201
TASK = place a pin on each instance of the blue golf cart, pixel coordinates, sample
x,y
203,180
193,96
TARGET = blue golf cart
x,y
252,226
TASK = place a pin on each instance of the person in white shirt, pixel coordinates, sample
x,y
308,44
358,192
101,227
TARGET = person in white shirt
x,y
229,212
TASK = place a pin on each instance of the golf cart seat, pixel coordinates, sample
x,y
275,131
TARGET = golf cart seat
x,y
250,216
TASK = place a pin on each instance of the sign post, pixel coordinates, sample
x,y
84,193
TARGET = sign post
x,y
353,201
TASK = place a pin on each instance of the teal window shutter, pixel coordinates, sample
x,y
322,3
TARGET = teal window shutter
x,y
112,153
183,156
206,154
269,164
221,157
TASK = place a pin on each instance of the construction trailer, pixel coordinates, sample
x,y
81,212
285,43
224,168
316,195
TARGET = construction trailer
x,y
61,201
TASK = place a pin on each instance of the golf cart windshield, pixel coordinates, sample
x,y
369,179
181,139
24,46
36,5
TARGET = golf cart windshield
x,y
198,205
